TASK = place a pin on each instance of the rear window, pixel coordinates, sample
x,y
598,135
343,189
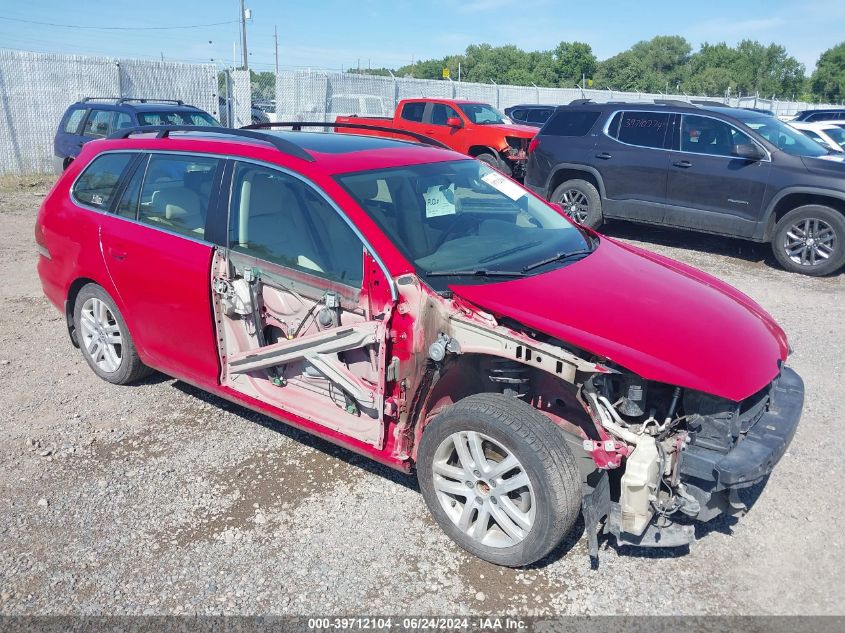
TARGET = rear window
x,y
571,122
413,111
646,129
73,120
97,184
177,117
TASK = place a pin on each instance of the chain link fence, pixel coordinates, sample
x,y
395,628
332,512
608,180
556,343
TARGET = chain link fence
x,y
37,88
318,95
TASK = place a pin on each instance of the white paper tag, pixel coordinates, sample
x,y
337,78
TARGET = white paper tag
x,y
440,200
504,185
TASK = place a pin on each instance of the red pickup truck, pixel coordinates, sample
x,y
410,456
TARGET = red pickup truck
x,y
472,128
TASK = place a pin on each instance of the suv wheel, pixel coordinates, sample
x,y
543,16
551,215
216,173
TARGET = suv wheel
x,y
580,201
499,479
810,240
104,338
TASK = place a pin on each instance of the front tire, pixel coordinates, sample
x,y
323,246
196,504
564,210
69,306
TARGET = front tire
x,y
581,201
494,161
810,240
104,339
499,479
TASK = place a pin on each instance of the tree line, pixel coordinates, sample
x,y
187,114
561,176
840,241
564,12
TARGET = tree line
x,y
666,63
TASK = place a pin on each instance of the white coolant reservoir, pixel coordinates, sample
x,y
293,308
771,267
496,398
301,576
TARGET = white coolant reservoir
x,y
638,483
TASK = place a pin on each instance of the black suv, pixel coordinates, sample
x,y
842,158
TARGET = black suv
x,y
713,169
811,116
530,113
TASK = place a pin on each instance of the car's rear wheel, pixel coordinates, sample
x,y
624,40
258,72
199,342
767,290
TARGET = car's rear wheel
x,y
581,201
810,240
493,160
104,338
499,479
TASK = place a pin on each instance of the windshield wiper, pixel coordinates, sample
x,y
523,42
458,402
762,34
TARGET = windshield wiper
x,y
557,257
482,272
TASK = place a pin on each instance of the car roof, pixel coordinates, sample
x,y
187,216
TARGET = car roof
x,y
138,106
332,153
669,105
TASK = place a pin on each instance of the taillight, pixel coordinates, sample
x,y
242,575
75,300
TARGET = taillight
x,y
534,144
40,242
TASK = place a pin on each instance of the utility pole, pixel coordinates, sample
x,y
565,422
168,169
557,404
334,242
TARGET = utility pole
x,y
276,40
243,37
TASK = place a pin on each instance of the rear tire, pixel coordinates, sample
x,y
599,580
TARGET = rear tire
x,y
581,201
512,492
104,339
494,161
810,240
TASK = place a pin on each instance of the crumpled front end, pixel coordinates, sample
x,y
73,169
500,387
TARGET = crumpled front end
x,y
683,455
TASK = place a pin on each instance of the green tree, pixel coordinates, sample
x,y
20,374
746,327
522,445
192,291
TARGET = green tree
x,y
574,60
828,81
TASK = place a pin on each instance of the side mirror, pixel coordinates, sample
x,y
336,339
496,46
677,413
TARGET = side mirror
x,y
749,151
454,121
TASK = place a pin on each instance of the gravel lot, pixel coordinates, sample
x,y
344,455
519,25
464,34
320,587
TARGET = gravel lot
x,y
160,499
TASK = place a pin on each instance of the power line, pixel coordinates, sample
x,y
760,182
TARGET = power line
x,y
118,28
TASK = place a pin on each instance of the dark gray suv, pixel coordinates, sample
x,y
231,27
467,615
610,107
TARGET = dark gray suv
x,y
718,170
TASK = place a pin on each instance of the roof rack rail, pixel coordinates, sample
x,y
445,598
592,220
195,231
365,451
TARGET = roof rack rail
x,y
164,131
298,125
139,99
577,102
673,102
710,102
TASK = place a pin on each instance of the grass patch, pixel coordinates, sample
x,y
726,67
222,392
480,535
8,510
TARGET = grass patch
x,y
34,182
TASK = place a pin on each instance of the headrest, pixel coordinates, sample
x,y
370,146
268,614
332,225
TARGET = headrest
x,y
176,203
364,189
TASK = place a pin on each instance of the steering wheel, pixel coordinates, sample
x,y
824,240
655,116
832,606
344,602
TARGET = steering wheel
x,y
461,222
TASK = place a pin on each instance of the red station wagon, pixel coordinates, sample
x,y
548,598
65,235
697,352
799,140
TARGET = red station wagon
x,y
416,306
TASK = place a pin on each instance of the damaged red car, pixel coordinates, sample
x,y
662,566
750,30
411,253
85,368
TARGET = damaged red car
x,y
416,306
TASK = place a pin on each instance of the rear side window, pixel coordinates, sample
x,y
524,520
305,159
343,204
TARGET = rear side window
x,y
73,120
98,123
571,122
646,129
176,193
413,111
97,184
518,115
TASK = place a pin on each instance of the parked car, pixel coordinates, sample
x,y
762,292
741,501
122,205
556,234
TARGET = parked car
x,y
471,128
531,114
95,117
256,114
828,135
420,308
815,116
718,170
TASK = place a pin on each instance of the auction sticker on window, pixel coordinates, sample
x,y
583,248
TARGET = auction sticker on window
x,y
440,200
504,185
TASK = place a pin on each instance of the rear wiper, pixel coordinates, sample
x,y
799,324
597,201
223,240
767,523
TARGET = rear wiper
x,y
475,273
557,257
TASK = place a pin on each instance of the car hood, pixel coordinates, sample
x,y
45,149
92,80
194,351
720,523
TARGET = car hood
x,y
656,317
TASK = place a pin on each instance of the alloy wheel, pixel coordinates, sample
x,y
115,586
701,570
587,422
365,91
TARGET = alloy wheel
x,y
483,489
810,242
101,335
575,205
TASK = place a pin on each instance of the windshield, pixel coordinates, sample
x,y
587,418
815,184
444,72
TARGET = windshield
x,y
837,134
481,113
177,118
463,222
785,137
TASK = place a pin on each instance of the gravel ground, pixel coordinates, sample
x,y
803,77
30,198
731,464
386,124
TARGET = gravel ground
x,y
159,499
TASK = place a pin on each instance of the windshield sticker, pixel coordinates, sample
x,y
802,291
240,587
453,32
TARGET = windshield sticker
x,y
440,200
504,185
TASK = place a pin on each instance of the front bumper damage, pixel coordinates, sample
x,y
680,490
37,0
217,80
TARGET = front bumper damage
x,y
713,478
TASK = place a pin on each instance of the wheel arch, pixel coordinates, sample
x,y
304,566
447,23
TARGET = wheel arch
x,y
477,150
795,197
569,171
73,291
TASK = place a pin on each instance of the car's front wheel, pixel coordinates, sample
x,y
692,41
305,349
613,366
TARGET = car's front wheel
x,y
499,479
581,201
810,240
104,338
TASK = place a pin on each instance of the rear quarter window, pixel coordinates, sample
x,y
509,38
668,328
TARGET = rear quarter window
x,y
98,182
571,123
74,118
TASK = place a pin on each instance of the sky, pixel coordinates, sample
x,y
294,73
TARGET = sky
x,y
342,33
